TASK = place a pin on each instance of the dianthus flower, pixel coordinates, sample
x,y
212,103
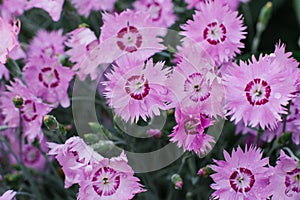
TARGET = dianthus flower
x,y
218,30
8,195
243,175
85,7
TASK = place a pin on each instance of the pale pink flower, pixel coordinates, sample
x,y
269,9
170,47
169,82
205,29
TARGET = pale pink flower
x,y
46,44
32,110
129,32
161,11
49,80
31,156
218,30
85,7
10,33
74,156
52,7
110,179
137,90
81,41
189,132
243,175
8,195
195,84
256,92
285,181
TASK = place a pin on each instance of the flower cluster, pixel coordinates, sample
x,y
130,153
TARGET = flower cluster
x,y
246,175
98,177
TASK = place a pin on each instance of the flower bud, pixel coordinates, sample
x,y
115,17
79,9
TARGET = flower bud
x,y
264,16
18,101
51,122
177,181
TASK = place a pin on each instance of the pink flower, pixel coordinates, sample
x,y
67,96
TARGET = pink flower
x,y
46,44
74,156
233,4
285,181
243,175
32,110
31,156
216,29
82,41
161,11
85,7
189,132
136,90
49,80
256,92
128,33
10,33
195,84
52,7
110,179
8,195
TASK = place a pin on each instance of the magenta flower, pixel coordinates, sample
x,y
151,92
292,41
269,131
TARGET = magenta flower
x,y
285,181
49,80
32,110
161,11
189,132
52,7
243,175
110,179
216,29
75,157
135,90
85,7
81,41
129,32
46,44
256,92
8,195
10,33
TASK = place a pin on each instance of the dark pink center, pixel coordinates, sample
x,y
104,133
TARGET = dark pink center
x,y
292,182
28,111
106,181
214,33
242,180
137,87
155,10
257,92
30,155
129,39
49,77
196,87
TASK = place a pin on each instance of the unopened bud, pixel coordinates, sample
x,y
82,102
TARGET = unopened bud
x,y
177,181
205,171
156,133
18,101
91,138
51,122
264,16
